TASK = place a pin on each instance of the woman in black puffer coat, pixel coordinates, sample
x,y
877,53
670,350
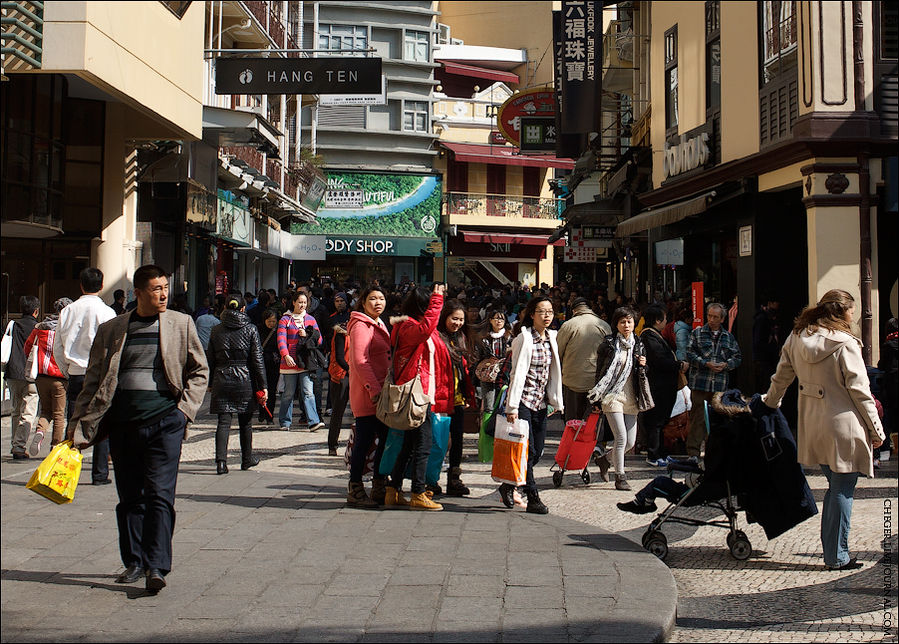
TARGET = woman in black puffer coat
x,y
236,372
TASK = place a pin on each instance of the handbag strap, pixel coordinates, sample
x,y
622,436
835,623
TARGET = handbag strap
x,y
269,336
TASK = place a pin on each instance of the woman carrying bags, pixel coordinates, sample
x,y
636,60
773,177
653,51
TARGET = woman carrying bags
x,y
453,334
620,388
535,389
493,344
237,381
418,349
298,340
368,362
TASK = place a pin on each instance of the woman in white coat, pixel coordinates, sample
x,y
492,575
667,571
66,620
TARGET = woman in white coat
x,y
838,424
535,388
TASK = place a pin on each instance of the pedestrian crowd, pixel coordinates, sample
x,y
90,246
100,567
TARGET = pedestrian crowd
x,y
127,379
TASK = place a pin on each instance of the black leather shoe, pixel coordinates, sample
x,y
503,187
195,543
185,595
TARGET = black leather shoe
x,y
505,492
221,467
852,564
20,456
535,505
248,464
102,482
155,580
132,574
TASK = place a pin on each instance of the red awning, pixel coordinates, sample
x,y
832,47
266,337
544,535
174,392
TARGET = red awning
x,y
479,72
504,155
493,238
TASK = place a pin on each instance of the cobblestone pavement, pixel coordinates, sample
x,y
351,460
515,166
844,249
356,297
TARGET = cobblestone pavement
x,y
783,593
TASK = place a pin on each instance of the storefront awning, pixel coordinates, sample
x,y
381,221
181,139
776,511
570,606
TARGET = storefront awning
x,y
237,127
474,71
526,240
503,155
664,215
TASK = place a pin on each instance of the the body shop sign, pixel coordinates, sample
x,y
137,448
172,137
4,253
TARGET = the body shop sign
x,y
535,102
367,246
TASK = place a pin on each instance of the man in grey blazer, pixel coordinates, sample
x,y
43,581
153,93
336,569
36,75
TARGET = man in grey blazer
x,y
145,381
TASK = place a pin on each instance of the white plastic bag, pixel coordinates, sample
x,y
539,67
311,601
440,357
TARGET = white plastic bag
x,y
510,451
683,402
6,346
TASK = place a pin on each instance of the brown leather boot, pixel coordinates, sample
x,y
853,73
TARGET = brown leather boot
x,y
394,497
357,498
378,490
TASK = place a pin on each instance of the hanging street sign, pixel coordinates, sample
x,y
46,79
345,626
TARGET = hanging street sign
x,y
298,75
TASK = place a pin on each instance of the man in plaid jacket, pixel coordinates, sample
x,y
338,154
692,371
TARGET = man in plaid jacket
x,y
713,353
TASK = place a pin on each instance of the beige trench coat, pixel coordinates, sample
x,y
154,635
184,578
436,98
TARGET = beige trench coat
x,y
837,417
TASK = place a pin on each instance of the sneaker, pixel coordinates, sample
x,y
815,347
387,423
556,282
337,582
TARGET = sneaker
x,y
852,564
637,508
659,462
328,411
20,456
36,443
316,427
285,428
394,497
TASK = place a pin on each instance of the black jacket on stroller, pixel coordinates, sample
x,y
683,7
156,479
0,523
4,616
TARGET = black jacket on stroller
x,y
752,446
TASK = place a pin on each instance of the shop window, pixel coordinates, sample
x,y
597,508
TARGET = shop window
x,y
416,45
415,116
348,39
671,79
712,56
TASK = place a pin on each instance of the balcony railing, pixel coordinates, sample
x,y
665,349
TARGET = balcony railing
x,y
479,204
250,156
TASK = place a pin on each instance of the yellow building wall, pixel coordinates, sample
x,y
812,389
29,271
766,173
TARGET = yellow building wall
x,y
513,25
739,80
137,51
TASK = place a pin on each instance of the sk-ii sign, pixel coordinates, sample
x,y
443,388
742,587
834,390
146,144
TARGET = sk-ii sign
x,y
297,75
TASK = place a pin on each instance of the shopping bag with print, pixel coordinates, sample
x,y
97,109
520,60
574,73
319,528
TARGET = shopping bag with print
x,y
510,451
57,476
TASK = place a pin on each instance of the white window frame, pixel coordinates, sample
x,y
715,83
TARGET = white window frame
x,y
412,43
352,37
420,114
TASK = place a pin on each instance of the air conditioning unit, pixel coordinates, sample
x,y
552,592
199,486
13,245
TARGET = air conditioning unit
x,y
443,34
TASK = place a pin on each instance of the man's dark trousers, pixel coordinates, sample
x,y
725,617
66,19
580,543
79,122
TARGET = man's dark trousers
x,y
146,464
100,460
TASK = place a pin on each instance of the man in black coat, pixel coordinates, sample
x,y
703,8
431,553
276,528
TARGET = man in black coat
x,y
661,369
22,393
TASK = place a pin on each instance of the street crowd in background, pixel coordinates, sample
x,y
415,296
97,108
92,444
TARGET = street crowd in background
x,y
127,378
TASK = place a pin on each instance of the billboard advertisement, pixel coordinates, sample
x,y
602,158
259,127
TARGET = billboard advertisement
x,y
380,205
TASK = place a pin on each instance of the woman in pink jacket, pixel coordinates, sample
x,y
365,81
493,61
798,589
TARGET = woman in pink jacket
x,y
369,361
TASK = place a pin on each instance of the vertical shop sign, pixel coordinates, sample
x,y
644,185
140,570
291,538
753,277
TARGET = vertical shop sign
x,y
581,82
698,303
568,145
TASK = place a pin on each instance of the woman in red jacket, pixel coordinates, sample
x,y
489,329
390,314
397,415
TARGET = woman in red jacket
x,y
50,383
454,334
368,361
418,349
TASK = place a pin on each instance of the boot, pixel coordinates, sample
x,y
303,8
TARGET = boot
x,y
434,489
422,502
602,462
221,467
246,448
454,485
394,497
505,493
357,498
378,490
621,483
535,505
253,462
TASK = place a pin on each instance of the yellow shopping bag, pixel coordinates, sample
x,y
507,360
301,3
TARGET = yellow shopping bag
x,y
57,476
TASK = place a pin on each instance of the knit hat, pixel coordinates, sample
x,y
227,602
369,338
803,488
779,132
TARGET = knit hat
x,y
343,296
61,303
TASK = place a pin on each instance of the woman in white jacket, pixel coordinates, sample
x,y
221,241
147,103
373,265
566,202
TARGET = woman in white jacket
x,y
838,425
535,388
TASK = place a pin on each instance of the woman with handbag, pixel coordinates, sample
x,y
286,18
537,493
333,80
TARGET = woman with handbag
x,y
50,381
369,362
299,339
535,389
453,334
622,390
419,352
237,381
662,369
271,358
492,347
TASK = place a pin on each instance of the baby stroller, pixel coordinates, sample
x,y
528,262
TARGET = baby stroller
x,y
750,465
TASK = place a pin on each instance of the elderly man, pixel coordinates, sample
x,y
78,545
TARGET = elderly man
x,y
713,353
578,339
145,381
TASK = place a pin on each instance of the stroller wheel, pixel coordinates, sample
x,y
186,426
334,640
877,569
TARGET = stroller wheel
x,y
740,548
650,533
586,476
657,544
557,479
736,534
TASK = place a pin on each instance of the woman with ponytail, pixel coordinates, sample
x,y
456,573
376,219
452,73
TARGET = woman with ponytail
x,y
838,424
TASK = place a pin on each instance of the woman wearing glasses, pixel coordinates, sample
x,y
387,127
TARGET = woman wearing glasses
x,y
535,388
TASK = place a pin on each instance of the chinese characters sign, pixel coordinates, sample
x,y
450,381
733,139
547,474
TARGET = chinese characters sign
x,y
577,50
538,133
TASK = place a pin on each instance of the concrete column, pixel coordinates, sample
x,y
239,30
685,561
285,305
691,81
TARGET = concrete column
x,y
115,251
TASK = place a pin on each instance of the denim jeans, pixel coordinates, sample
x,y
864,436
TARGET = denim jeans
x,y
836,515
291,382
536,439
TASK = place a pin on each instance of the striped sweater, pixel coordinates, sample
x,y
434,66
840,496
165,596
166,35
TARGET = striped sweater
x,y
289,338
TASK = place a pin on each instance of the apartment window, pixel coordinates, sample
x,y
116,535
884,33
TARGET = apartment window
x,y
671,79
415,116
779,38
889,31
416,46
712,56
347,38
